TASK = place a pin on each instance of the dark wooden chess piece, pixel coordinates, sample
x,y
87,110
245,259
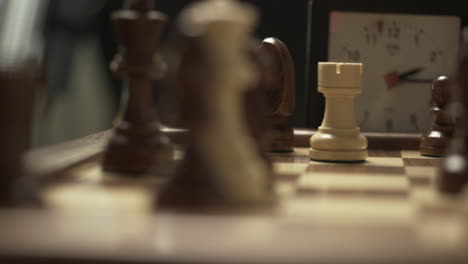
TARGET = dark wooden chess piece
x,y
19,86
453,177
21,77
138,146
256,102
434,143
222,169
279,84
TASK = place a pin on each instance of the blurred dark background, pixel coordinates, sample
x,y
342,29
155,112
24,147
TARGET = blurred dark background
x,y
83,96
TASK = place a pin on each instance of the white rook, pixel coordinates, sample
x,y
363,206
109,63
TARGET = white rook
x,y
339,138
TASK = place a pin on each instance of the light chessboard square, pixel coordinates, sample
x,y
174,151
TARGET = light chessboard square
x,y
358,184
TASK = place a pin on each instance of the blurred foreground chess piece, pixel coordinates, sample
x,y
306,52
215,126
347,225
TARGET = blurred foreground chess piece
x,y
138,146
21,78
19,86
279,84
434,143
222,169
453,177
338,138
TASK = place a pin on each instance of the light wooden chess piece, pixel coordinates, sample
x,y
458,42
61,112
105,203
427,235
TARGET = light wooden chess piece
x,y
339,138
222,168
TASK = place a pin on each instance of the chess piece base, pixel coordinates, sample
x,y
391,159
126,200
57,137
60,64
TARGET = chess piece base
x,y
434,143
432,151
137,159
147,153
346,145
283,139
338,156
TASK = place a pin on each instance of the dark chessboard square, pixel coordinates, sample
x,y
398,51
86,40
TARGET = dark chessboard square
x,y
356,169
335,192
289,158
415,162
385,153
420,181
287,177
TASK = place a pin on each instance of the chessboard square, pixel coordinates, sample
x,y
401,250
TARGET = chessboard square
x,y
351,210
289,158
370,162
421,162
301,151
290,168
421,176
372,153
285,190
353,169
362,184
428,172
432,203
384,161
287,177
94,197
414,154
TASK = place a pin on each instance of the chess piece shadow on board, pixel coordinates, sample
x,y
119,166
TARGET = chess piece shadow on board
x,y
453,176
222,169
278,82
19,88
434,143
138,145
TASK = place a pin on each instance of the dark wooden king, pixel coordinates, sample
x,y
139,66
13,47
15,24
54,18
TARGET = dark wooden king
x,y
138,145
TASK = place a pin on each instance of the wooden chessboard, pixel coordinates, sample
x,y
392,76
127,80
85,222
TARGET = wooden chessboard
x,y
385,210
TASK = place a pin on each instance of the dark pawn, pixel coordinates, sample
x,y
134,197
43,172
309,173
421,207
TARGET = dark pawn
x,y
453,177
138,146
434,143
279,84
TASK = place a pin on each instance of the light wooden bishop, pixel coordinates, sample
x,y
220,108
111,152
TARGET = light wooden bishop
x,y
339,139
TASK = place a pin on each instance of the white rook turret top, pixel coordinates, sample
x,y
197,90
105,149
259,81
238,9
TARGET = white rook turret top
x,y
339,75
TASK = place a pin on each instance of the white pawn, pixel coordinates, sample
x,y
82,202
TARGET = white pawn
x,y
339,138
